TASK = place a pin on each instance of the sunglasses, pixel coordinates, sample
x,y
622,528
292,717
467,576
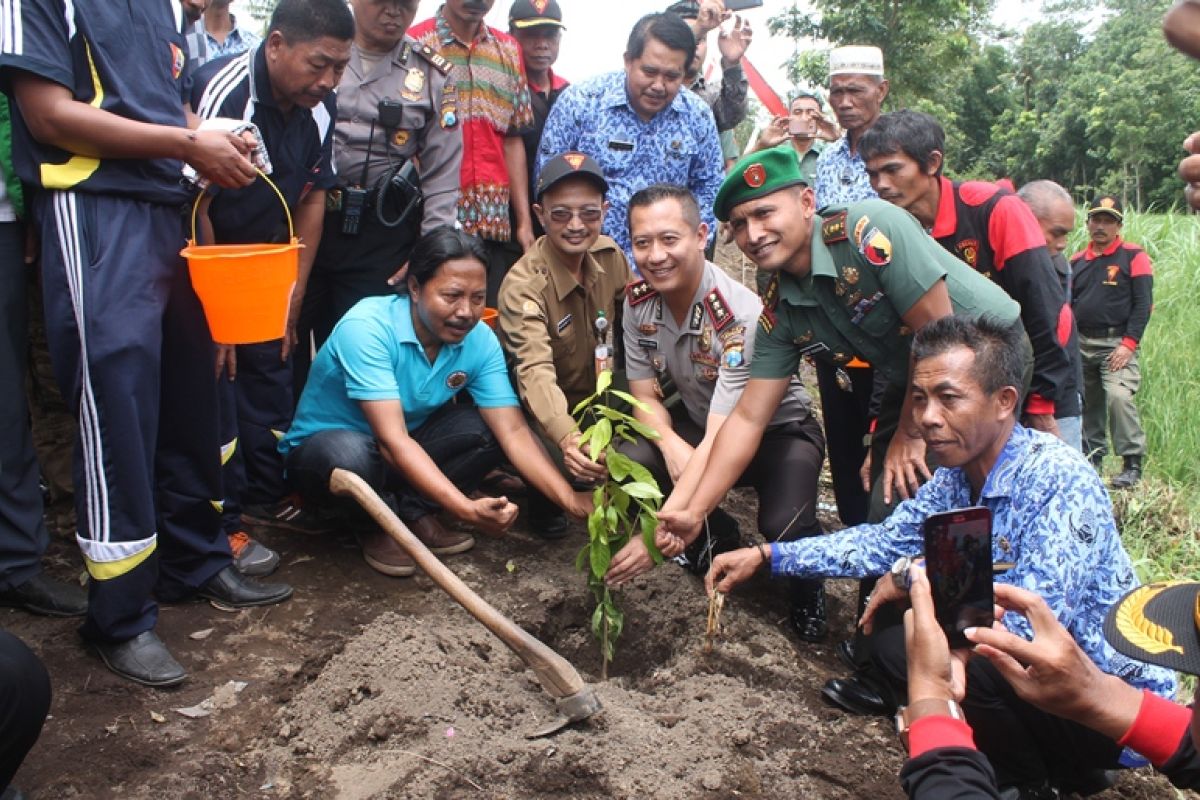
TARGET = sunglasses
x,y
588,214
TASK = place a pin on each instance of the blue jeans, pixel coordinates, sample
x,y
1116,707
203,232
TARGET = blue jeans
x,y
455,437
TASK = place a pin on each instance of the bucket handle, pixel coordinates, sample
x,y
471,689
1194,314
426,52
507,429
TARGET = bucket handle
x,y
287,212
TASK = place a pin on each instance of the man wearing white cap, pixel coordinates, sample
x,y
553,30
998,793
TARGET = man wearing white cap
x,y
857,89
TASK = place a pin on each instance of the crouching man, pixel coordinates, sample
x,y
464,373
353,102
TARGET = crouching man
x,y
1052,523
556,304
378,403
690,323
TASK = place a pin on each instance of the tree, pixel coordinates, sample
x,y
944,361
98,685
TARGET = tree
x,y
921,40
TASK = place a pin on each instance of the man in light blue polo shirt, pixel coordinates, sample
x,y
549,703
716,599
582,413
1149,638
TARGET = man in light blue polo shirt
x,y
377,403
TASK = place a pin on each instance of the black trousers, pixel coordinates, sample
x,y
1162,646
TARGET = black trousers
x,y
256,409
24,703
783,472
347,269
455,437
847,420
23,535
1025,745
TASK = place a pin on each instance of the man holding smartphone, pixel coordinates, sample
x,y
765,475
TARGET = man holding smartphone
x,y
1051,521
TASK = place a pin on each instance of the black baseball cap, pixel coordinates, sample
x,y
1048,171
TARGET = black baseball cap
x,y
534,13
1158,623
565,166
1107,204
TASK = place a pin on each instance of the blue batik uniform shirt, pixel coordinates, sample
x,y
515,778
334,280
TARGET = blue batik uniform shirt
x,y
1051,519
841,176
679,145
373,354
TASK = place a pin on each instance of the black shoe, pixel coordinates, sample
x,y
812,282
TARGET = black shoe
x,y
12,793
1130,475
808,611
48,597
230,589
845,653
549,526
851,694
143,659
1028,792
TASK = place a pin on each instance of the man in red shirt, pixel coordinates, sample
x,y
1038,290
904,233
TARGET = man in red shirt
x,y
1112,285
537,27
495,108
991,230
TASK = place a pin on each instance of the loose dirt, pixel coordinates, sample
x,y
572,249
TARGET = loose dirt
x,y
368,687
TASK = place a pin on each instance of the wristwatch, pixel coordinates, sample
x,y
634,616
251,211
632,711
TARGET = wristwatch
x,y
933,706
899,572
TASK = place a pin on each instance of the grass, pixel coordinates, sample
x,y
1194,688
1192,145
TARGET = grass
x,y
1161,517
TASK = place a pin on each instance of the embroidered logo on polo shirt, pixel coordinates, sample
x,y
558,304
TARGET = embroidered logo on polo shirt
x,y
455,380
178,59
968,251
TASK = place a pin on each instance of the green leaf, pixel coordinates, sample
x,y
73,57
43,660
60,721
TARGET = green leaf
x,y
628,398
612,520
597,497
619,500
643,429
649,524
620,465
581,560
603,381
601,436
600,557
598,621
582,404
641,474
641,490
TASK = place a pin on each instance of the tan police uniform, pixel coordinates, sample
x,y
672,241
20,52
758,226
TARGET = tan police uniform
x,y
421,128
414,76
708,358
547,326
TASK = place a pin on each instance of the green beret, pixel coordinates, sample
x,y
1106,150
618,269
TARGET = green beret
x,y
758,175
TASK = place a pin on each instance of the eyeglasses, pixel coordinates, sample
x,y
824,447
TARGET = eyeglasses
x,y
587,215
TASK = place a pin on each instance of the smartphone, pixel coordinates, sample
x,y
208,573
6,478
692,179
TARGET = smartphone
x,y
804,127
958,563
742,5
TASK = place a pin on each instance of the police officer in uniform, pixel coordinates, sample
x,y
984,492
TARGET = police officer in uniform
x,y
691,323
551,305
856,282
397,147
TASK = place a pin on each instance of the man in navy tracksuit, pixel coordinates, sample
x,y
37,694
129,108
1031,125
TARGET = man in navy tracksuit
x,y
285,87
99,125
994,232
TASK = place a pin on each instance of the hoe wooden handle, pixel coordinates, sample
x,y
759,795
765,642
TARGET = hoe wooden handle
x,y
554,672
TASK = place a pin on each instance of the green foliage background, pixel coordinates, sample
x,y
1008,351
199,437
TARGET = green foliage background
x,y
1090,96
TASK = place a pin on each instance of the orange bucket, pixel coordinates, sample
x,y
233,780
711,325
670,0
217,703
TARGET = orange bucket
x,y
245,289
490,317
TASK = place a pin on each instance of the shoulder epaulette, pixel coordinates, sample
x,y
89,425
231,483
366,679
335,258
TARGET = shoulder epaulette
x,y
639,292
834,228
718,309
770,295
435,58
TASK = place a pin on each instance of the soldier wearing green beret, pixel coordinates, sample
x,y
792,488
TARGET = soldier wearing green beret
x,y
856,282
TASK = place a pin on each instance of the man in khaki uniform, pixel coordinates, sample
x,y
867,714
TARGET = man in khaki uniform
x,y
550,302
396,140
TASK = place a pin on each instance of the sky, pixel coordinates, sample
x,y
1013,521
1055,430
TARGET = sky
x,y
598,29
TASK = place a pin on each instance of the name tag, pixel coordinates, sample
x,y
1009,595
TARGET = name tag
x,y
649,344
619,144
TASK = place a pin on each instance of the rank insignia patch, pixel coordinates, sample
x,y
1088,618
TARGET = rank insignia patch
x,y
639,292
565,322
718,309
834,228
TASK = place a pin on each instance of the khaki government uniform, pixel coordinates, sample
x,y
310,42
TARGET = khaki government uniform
x,y
547,326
